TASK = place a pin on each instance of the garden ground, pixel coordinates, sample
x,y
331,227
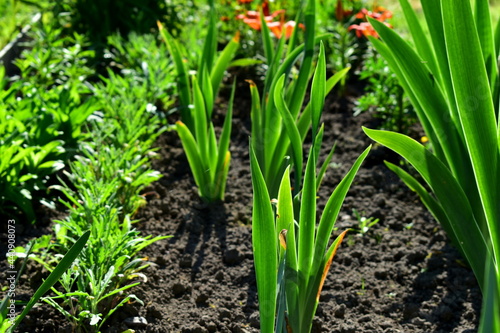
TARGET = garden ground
x,y
400,276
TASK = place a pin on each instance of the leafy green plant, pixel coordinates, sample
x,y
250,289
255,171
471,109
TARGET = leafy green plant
x,y
104,193
384,96
364,223
94,288
8,325
452,83
14,14
143,67
209,160
55,58
210,70
278,126
291,252
39,131
292,258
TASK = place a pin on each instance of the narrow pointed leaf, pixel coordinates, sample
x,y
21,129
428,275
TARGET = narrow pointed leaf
x,y
264,243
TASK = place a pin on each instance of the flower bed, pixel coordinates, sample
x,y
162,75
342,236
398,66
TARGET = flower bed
x,y
200,210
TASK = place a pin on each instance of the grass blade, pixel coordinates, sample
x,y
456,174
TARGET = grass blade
x,y
54,276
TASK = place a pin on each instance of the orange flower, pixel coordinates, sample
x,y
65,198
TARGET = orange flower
x,y
380,14
244,1
252,19
366,29
277,28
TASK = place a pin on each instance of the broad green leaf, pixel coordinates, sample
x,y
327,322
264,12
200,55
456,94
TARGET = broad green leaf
x,y
224,140
291,130
223,62
193,155
487,40
266,39
475,106
257,138
420,39
209,46
318,90
264,247
200,121
434,19
307,226
208,93
447,190
490,320
284,217
428,93
403,81
183,86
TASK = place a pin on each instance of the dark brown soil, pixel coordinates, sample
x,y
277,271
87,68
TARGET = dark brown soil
x,y
401,276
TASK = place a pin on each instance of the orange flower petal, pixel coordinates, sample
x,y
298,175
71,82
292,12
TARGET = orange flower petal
x,y
253,23
275,28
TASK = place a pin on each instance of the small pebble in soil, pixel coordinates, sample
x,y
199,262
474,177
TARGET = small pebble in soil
x,y
154,312
410,311
254,320
186,261
340,311
233,256
224,313
179,288
137,322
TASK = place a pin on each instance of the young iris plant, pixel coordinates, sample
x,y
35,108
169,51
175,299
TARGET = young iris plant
x,y
278,127
209,160
452,81
292,258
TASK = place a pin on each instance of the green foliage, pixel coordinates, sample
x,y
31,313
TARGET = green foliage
x,y
210,69
53,57
279,126
6,325
292,258
384,96
105,191
103,18
39,131
364,223
291,252
14,15
144,70
452,83
209,160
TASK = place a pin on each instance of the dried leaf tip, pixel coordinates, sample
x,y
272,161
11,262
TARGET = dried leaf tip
x,y
283,238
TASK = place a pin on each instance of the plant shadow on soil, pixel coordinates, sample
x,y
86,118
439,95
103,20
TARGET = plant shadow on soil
x,y
401,276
